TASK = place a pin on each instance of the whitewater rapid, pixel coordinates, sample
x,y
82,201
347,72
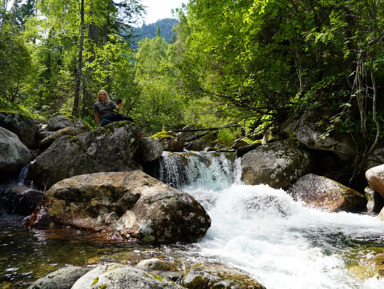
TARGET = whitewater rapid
x,y
276,240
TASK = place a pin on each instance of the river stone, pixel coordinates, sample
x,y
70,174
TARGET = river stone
x,y
54,135
276,164
63,278
149,150
62,121
117,276
132,204
102,150
314,135
24,127
13,153
169,141
153,264
375,178
375,202
216,276
321,192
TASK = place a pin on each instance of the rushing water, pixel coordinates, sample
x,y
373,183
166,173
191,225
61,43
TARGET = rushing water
x,y
280,242
263,231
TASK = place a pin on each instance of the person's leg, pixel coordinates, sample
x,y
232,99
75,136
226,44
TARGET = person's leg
x,y
118,117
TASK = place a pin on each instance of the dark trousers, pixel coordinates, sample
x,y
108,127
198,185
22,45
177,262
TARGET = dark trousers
x,y
118,117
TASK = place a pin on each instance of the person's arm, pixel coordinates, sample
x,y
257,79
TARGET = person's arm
x,y
97,119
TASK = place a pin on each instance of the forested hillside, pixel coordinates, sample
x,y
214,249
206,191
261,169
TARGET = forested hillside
x,y
164,26
248,62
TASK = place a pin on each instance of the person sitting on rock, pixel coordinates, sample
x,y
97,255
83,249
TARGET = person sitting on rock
x,y
105,110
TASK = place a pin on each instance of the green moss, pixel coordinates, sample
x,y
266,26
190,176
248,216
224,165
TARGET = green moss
x,y
95,281
163,134
103,286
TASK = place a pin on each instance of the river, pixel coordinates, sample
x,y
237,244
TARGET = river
x,y
260,230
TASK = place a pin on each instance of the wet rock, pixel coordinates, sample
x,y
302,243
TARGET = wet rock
x,y
20,200
102,150
13,153
24,127
204,276
276,164
321,192
311,131
61,279
131,204
375,178
118,276
375,202
153,264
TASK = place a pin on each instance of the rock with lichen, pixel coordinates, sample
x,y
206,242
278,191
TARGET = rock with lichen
x,y
277,164
131,204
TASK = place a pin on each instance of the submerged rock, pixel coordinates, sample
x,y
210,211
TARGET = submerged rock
x,y
321,192
132,204
204,276
277,164
116,276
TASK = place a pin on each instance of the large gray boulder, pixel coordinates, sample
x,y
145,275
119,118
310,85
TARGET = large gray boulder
x,y
326,194
277,164
102,150
117,276
311,131
13,153
131,204
24,127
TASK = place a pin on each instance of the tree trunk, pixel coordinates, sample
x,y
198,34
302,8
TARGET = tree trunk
x,y
75,110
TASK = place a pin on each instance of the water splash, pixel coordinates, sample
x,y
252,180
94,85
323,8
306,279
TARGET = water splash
x,y
278,241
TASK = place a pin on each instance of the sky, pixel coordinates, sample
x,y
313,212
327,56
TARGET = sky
x,y
159,9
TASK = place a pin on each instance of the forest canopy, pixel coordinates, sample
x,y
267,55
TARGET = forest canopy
x,y
254,63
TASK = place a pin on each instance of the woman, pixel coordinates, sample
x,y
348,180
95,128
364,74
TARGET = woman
x,y
105,109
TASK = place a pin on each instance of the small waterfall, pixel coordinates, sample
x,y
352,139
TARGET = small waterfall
x,y
210,170
24,173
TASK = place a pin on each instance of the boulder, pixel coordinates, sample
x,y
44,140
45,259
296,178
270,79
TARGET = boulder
x,y
375,202
102,150
153,264
132,204
375,178
206,276
24,127
63,121
63,278
277,164
116,276
13,153
20,200
54,135
149,150
311,131
169,141
321,192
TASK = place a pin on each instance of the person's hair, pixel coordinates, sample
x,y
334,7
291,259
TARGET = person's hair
x,y
106,96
